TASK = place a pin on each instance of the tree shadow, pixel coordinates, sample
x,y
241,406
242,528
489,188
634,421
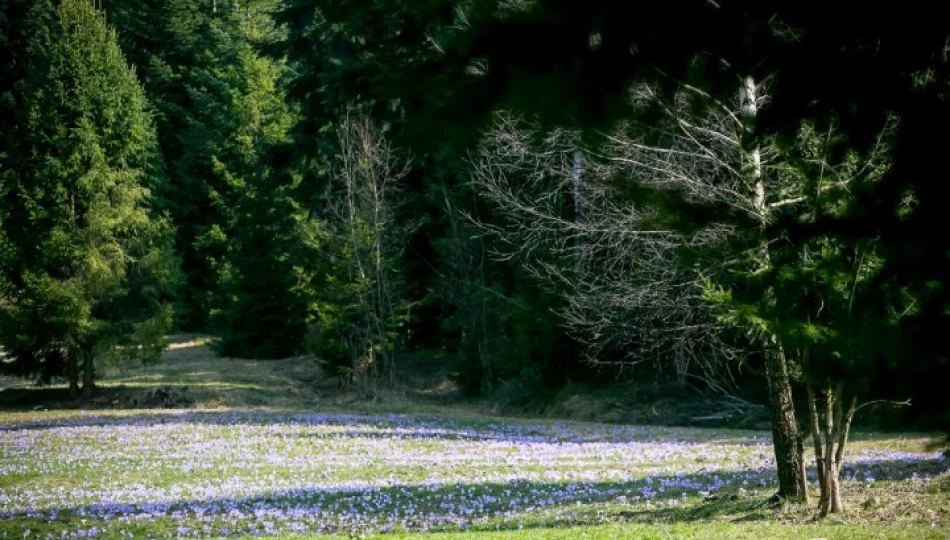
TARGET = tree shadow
x,y
402,426
129,395
425,505
431,505
25,399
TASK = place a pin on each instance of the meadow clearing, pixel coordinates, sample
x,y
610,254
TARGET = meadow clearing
x,y
275,472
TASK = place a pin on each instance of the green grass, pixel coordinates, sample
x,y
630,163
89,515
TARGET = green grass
x,y
700,530
262,449
190,368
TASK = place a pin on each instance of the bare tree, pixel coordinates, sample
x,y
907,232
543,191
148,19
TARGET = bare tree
x,y
615,259
622,265
362,202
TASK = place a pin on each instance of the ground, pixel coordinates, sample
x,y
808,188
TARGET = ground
x,y
229,466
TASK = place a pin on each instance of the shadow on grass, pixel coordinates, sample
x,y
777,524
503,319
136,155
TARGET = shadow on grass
x,y
396,426
341,507
129,396
486,506
20,399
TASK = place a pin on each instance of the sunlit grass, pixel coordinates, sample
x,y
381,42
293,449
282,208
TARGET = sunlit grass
x,y
260,455
233,473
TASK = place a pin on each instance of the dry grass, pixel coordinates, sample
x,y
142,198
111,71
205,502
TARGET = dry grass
x,y
192,374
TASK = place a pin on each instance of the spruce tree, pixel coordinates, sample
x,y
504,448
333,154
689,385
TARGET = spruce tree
x,y
222,119
269,254
85,261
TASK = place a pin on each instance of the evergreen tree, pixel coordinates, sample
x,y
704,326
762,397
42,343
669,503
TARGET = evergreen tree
x,y
271,258
85,261
573,63
223,119
340,52
833,316
196,83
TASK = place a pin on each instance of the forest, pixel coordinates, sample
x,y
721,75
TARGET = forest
x,y
731,204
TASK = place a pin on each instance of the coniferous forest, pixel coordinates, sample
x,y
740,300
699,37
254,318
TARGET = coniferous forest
x,y
735,204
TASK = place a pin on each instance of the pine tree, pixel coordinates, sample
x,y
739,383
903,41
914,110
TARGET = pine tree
x,y
573,64
85,261
223,119
194,82
827,305
269,260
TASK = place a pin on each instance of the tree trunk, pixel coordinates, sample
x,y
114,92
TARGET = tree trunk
x,y
578,210
830,427
816,440
72,373
786,439
88,375
833,503
484,355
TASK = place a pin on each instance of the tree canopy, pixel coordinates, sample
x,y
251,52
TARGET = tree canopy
x,y
85,255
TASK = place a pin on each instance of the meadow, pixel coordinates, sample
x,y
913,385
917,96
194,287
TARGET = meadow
x,y
232,472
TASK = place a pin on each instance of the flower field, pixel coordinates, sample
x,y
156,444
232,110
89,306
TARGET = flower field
x,y
132,474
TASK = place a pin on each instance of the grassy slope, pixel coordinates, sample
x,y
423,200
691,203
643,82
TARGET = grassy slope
x,y
192,370
696,531
895,509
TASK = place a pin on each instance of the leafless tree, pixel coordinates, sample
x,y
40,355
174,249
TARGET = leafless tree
x,y
362,203
621,263
617,259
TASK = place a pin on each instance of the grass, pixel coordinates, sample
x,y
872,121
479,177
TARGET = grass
x,y
263,453
197,375
706,530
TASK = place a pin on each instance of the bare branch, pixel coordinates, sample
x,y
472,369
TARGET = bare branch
x,y
905,403
627,295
